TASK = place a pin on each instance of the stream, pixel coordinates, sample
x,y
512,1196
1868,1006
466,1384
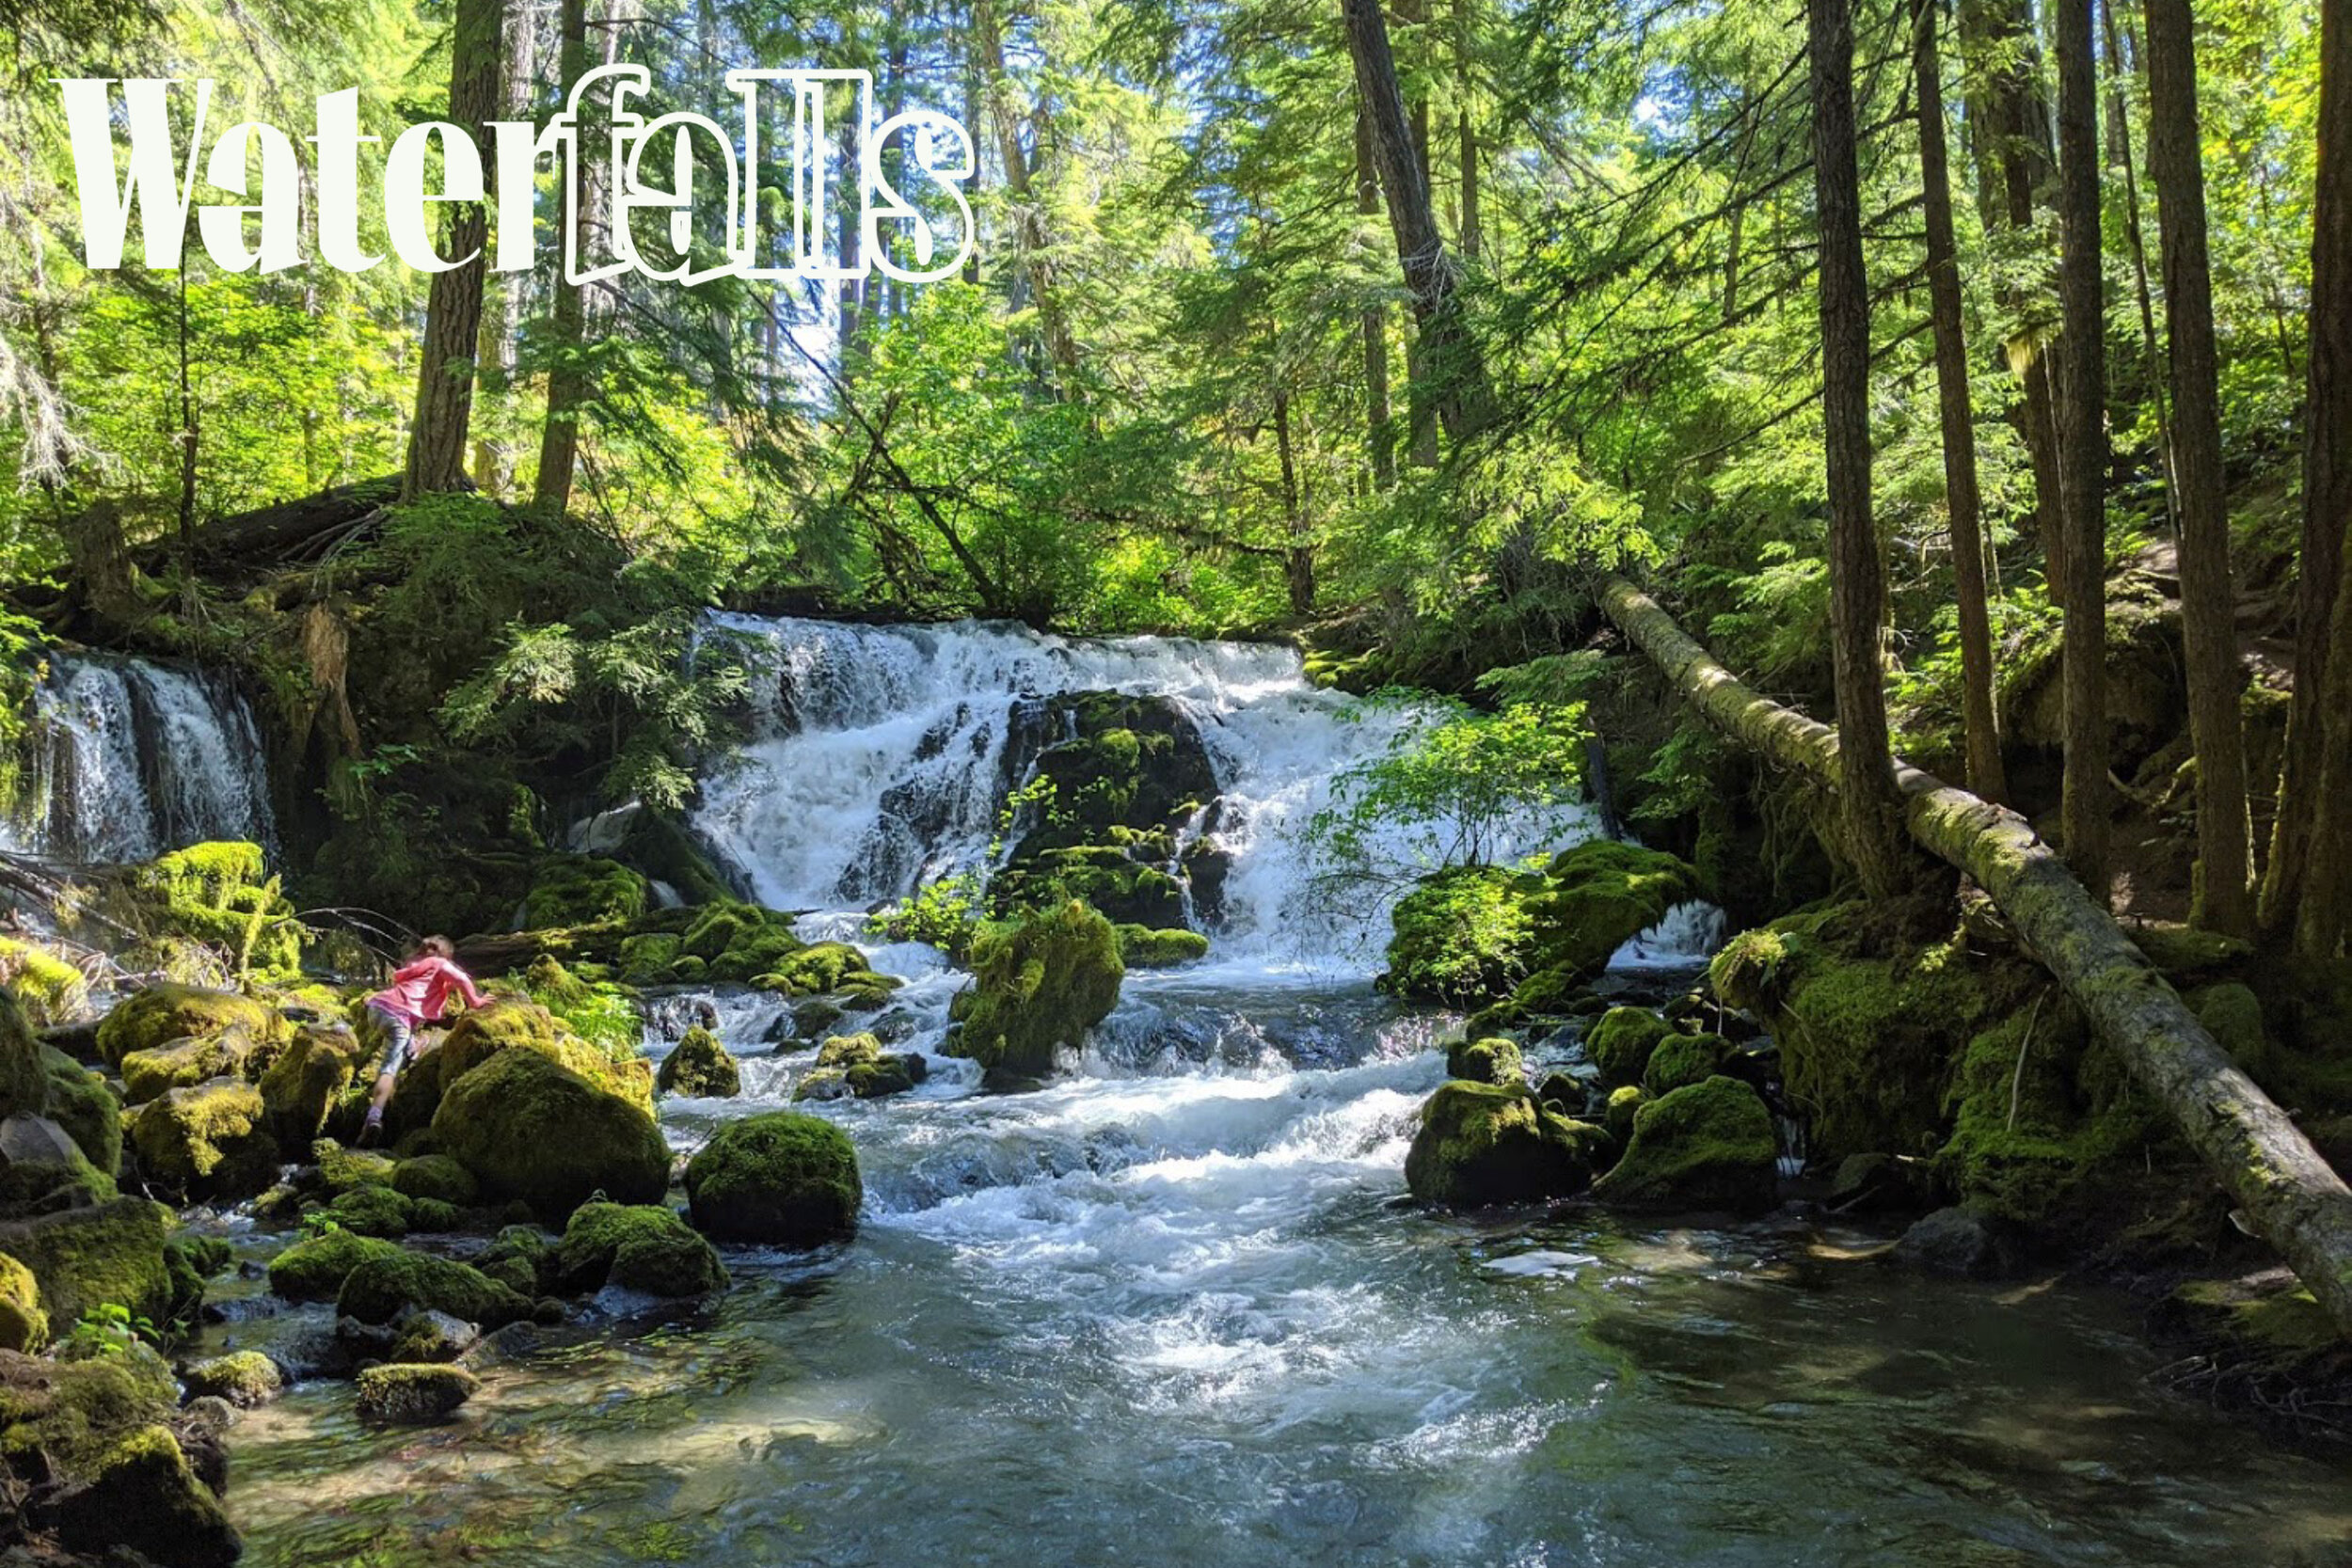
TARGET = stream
x,y
1172,1308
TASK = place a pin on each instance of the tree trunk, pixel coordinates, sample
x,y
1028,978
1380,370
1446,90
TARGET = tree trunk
x,y
1961,497
1857,576
1299,558
2082,452
569,385
1450,362
2014,162
1031,235
2293,1199
2208,601
186,438
1466,134
2326,487
452,316
2119,137
494,460
1379,434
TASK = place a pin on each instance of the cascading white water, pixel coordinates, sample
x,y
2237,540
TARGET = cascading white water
x,y
888,754
128,758
1689,933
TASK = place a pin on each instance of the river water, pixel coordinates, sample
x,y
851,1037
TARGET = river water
x,y
1174,1308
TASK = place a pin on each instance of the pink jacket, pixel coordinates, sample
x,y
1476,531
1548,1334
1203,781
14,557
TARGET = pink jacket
x,y
421,990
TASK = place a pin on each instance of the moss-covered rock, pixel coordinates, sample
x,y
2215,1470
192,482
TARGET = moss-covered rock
x,y
648,957
165,1014
699,1068
79,1101
1622,1042
42,1168
208,1141
638,1248
233,1052
1706,1146
481,1036
315,1269
580,890
221,896
533,1130
1482,1144
342,1170
370,1211
246,1378
142,1495
519,1258
1681,1060
23,1326
1039,983
2233,1014
107,1254
1141,947
413,1393
780,1177
856,1065
51,990
1487,1061
1624,1104
318,1085
435,1178
383,1285
601,1012
1464,936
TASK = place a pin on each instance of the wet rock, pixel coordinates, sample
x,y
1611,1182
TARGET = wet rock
x,y
1486,1061
856,1065
401,1394
1955,1242
1622,1042
638,1248
699,1068
246,1378
1681,1060
433,1337
531,1130
106,1254
1483,1144
1038,984
1706,1146
782,1178
384,1285
315,1269
1879,1184
144,1496
207,1142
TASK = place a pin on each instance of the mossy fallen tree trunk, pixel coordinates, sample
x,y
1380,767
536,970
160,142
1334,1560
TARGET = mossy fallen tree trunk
x,y
2298,1203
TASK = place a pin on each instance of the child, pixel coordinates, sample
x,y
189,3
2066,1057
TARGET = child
x,y
419,992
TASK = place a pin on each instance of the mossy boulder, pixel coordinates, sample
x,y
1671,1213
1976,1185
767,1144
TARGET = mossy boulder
x,y
383,1285
370,1211
856,1065
1038,984
342,1170
1481,1144
24,1078
23,1326
51,990
2233,1014
1464,936
1621,1043
219,895
642,1247
1599,895
79,1101
1681,1060
780,1178
208,1141
1142,947
246,1378
520,1258
1487,1061
42,1168
167,1013
648,957
435,1178
315,1269
233,1052
143,1495
1706,1146
105,1254
582,890
1624,1104
318,1085
699,1068
413,1393
481,1036
531,1130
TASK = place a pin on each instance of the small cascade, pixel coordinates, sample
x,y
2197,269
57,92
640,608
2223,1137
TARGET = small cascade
x,y
885,757
127,758
1686,936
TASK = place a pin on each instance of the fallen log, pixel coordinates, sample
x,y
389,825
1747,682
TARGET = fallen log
x,y
2292,1198
283,531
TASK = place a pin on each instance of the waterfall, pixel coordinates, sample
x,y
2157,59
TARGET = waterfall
x,y
1686,936
127,758
884,756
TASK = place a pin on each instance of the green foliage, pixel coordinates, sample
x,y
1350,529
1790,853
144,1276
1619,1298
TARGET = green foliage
x,y
1471,781
106,1329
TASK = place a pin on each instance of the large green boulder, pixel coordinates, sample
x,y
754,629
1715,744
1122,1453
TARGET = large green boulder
x,y
1038,984
1681,1060
1486,1061
220,896
167,1013
206,1141
315,1269
51,990
318,1085
412,1393
143,1496
383,1285
23,1326
80,1102
581,890
24,1077
1621,1041
856,1065
780,1177
531,1130
637,1246
699,1068
1706,1146
105,1254
436,1178
1482,1144
480,1037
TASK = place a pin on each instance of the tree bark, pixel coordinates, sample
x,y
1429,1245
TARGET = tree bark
x,y
2208,600
2119,137
1298,561
453,317
2292,1197
1451,360
568,384
1379,431
1962,500
501,306
1857,576
2014,163
1031,237
1470,234
2313,732
2083,452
